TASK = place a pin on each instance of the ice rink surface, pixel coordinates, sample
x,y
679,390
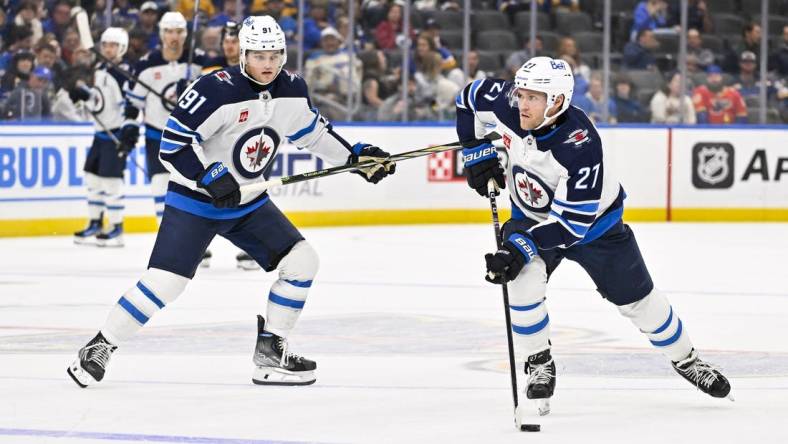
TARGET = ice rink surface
x,y
410,344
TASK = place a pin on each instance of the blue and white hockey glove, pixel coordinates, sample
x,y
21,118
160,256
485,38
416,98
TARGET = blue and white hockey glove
x,y
129,135
221,185
481,165
505,264
377,171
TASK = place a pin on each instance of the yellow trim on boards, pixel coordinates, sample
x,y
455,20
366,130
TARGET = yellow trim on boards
x,y
143,224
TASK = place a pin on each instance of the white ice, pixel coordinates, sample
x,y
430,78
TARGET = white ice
x,y
410,344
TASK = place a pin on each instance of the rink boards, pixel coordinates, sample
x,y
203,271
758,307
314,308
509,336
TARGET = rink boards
x,y
700,173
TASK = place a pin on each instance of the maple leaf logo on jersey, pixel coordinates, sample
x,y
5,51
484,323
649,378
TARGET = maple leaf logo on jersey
x,y
257,153
533,194
578,137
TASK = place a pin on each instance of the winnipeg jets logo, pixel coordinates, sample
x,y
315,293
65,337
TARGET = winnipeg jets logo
x,y
255,151
578,137
530,192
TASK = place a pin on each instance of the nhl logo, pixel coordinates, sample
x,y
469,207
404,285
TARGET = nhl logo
x,y
712,165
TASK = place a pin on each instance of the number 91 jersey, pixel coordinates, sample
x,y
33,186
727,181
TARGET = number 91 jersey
x,y
557,176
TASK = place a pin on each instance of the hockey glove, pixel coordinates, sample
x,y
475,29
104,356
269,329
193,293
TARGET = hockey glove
x,y
376,172
79,93
221,185
506,263
129,135
481,165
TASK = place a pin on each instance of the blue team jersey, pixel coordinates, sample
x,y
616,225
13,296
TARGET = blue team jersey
x,y
557,176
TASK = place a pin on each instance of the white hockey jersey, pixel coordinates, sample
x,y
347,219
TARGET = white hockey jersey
x,y
557,176
107,99
163,77
224,117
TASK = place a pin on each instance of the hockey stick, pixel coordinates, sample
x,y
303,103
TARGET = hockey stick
x,y
492,191
191,40
117,142
285,180
86,39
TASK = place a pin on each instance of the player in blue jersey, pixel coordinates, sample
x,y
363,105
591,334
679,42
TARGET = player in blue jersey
x,y
103,167
566,203
225,133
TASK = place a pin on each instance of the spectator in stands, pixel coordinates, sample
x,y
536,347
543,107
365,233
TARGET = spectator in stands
x,y
649,15
359,40
698,15
628,108
432,31
71,44
581,82
387,31
512,7
211,41
227,14
186,7
60,19
63,108
148,24
314,24
18,72
592,102
779,58
19,39
138,46
29,100
516,59
639,54
748,83
567,46
46,55
434,86
716,103
695,47
667,103
328,75
474,73
751,41
276,8
27,16
377,83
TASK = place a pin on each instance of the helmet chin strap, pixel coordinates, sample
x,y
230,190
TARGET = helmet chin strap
x,y
549,119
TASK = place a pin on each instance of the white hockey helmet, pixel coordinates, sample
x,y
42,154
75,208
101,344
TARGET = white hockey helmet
x,y
119,36
171,20
551,76
261,33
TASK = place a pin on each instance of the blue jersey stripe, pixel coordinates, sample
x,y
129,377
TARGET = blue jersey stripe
x,y
588,207
308,129
167,146
205,209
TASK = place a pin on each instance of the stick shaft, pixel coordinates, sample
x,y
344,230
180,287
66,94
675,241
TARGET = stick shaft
x,y
492,191
192,38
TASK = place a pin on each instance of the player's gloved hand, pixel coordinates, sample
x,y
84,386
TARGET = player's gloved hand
x,y
377,171
481,165
78,93
221,185
129,135
505,264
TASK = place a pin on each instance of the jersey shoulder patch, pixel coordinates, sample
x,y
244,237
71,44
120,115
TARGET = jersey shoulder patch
x,y
288,84
574,139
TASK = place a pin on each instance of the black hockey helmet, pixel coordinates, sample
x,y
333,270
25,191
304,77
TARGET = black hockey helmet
x,y
230,28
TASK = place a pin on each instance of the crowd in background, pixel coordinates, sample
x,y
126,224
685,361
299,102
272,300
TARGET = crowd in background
x,y
40,53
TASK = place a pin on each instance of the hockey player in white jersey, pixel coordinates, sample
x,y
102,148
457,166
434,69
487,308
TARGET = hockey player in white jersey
x,y
566,203
163,70
104,167
225,133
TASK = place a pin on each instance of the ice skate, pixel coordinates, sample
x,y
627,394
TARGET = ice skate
x,y
703,375
540,369
246,262
88,235
205,262
92,361
112,238
275,365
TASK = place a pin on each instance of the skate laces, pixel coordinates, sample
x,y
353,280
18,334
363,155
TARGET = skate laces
x,y
286,354
99,353
702,373
540,373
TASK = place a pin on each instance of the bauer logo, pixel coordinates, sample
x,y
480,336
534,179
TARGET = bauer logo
x,y
712,165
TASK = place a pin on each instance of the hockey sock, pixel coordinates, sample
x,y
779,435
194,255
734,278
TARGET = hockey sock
x,y
154,291
288,294
528,310
654,316
113,198
158,188
95,196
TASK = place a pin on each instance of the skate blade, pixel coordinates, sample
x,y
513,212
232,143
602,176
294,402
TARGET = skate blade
x,y
79,376
110,243
248,265
280,376
542,406
85,240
